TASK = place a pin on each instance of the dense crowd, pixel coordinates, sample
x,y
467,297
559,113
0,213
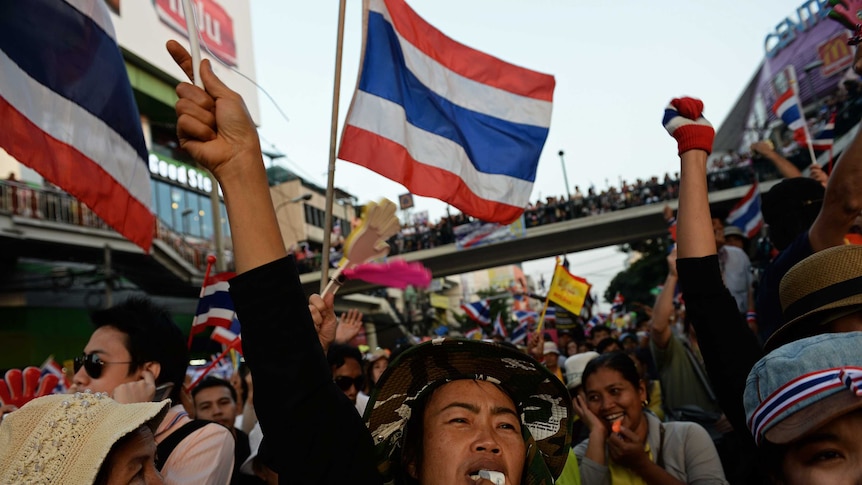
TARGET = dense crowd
x,y
720,384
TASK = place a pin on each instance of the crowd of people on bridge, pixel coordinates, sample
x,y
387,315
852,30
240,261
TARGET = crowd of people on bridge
x,y
711,388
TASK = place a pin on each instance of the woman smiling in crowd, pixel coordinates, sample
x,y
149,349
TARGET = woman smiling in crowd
x,y
630,445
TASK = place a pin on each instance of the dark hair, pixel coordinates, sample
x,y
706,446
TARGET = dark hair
x,y
213,381
617,361
790,208
599,328
339,352
605,343
151,336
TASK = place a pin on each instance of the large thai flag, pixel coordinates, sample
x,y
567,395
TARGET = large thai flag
x,y
67,110
788,108
444,120
746,214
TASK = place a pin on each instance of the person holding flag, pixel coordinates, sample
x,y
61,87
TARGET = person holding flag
x,y
214,126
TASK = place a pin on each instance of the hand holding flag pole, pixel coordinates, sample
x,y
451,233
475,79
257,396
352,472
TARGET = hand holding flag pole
x,y
367,241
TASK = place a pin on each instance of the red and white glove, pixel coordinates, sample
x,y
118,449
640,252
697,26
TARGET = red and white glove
x,y
19,388
683,119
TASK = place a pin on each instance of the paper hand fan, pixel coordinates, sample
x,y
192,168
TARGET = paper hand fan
x,y
368,240
20,387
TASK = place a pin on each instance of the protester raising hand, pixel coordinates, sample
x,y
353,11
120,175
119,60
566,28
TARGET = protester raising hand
x,y
323,314
349,326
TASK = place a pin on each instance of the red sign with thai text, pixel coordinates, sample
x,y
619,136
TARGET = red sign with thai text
x,y
214,24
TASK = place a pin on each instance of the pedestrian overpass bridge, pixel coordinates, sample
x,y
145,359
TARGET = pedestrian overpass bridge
x,y
168,272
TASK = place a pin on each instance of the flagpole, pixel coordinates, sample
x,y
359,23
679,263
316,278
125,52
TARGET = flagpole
x,y
333,132
210,260
208,368
215,202
793,84
547,298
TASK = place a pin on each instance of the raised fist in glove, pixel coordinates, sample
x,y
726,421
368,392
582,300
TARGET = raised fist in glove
x,y
19,388
683,119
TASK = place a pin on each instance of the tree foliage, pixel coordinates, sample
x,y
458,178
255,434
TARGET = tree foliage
x,y
637,282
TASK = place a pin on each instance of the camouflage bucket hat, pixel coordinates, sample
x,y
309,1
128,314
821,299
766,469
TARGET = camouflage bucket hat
x,y
541,398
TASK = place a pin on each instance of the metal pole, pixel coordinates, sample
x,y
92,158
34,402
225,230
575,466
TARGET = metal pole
x,y
108,278
565,177
333,131
220,264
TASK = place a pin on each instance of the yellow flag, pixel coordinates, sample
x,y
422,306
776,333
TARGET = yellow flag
x,y
568,290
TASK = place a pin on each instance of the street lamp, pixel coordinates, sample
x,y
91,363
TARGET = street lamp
x,y
565,177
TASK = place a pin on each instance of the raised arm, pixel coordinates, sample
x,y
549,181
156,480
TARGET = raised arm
x,y
784,166
729,348
214,127
660,331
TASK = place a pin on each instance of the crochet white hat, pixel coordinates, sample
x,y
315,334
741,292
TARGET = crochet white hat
x,y
64,438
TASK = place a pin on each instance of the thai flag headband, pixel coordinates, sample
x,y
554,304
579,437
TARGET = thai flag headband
x,y
800,389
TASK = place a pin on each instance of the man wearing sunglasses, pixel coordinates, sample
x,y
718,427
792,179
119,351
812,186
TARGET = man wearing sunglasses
x,y
137,353
346,364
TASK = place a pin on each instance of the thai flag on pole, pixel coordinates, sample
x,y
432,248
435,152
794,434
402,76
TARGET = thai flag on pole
x,y
229,339
746,214
68,112
525,317
551,314
789,109
825,138
215,307
499,328
479,311
445,120
519,334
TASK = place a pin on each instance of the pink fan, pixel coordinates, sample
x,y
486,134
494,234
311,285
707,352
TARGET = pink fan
x,y
395,273
367,241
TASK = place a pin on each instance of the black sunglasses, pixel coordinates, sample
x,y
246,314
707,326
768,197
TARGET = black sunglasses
x,y
344,382
93,364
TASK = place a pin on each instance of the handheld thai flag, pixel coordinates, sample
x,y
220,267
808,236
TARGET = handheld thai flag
x,y
499,328
519,334
68,112
215,307
551,314
746,214
789,109
445,120
479,311
227,338
525,316
824,139
50,366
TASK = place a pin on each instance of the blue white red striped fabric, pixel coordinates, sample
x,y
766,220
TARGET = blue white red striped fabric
x,y
525,316
800,389
445,120
499,328
475,334
551,314
746,214
50,366
227,338
68,112
825,138
519,334
215,307
788,108
478,311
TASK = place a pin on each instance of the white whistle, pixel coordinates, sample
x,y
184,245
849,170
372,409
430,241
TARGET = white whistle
x,y
497,478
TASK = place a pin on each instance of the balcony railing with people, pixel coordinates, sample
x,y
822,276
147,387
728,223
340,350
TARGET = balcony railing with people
x,y
53,205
